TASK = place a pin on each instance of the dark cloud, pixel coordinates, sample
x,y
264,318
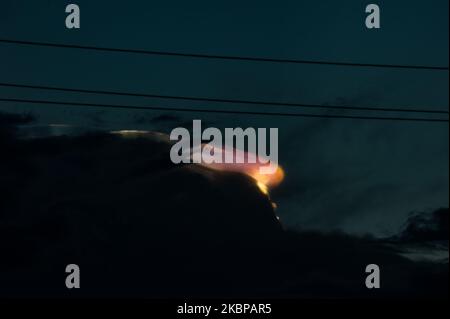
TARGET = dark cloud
x,y
422,227
9,119
141,226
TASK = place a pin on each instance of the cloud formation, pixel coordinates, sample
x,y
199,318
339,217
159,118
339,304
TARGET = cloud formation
x,y
138,225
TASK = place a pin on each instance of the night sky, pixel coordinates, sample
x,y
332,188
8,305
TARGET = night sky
x,y
356,176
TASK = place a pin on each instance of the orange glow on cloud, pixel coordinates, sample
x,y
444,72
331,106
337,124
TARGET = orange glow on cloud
x,y
263,181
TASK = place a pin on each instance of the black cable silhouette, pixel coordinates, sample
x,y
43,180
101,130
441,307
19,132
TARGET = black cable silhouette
x,y
32,101
231,101
222,57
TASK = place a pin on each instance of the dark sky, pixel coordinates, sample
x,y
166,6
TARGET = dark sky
x,y
357,176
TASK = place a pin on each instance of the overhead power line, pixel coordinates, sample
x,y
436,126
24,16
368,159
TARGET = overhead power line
x,y
196,110
219,100
222,57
